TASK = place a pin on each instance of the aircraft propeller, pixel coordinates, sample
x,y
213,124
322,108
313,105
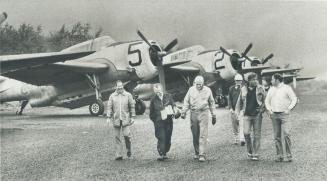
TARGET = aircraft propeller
x,y
158,55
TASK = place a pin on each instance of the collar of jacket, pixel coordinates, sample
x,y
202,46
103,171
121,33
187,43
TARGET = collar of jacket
x,y
123,93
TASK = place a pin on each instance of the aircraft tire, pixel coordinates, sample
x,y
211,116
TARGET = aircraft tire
x,y
139,107
96,108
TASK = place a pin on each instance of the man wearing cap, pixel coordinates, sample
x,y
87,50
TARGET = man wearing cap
x,y
252,105
121,112
234,96
279,101
200,102
161,113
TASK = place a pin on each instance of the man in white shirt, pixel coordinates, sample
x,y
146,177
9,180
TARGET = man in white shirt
x,y
279,101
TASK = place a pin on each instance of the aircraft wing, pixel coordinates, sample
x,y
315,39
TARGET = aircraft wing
x,y
281,71
57,73
185,68
12,63
304,78
254,69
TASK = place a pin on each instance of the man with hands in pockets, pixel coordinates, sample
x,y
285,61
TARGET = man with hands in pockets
x,y
121,112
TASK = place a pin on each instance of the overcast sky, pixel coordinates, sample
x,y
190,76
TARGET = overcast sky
x,y
296,32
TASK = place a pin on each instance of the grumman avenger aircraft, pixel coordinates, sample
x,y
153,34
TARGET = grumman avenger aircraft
x,y
84,74
218,68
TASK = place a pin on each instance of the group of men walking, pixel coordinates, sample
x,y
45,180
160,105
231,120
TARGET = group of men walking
x,y
247,102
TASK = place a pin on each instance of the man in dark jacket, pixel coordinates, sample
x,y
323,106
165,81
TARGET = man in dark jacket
x,y
161,113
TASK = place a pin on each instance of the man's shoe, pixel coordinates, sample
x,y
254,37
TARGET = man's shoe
x,y
242,143
255,158
279,159
129,154
160,158
202,159
165,157
119,158
249,156
196,157
288,159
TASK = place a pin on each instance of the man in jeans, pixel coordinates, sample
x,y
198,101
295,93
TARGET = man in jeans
x,y
234,96
200,101
252,106
121,111
279,101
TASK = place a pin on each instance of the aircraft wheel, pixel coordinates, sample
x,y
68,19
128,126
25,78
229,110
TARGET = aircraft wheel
x,y
96,108
139,107
222,101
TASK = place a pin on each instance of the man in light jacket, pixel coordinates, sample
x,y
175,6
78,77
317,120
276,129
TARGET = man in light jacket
x,y
121,112
251,106
200,101
280,100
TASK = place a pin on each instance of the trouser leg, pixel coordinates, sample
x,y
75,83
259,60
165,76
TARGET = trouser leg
x,y
286,125
257,122
247,133
276,122
235,125
169,131
195,128
203,123
161,137
118,142
127,137
241,129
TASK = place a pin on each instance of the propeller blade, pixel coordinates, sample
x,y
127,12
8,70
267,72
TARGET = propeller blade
x,y
146,40
225,51
248,48
267,58
171,45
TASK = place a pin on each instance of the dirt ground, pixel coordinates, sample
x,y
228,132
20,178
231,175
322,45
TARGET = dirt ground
x,y
60,144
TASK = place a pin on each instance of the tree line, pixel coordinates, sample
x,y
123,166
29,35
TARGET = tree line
x,y
29,39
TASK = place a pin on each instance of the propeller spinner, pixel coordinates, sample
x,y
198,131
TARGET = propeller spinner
x,y
156,55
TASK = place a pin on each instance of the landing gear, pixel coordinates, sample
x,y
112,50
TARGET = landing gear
x,y
22,106
139,107
221,100
96,108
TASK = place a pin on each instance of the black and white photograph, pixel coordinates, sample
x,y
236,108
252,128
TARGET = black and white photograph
x,y
163,90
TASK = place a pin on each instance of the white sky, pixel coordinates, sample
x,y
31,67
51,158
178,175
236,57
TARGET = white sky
x,y
296,32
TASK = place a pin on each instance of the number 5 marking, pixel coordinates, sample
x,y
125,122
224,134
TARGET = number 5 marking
x,y
130,52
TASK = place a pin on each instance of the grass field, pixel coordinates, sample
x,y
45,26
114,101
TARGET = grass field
x,y
61,144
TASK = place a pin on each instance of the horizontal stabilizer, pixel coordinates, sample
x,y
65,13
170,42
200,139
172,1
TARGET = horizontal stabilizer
x,y
11,63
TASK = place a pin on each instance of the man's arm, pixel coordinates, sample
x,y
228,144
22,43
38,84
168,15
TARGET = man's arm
x,y
186,104
268,100
211,103
131,105
110,107
292,97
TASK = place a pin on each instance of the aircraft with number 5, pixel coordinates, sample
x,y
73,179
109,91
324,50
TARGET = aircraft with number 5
x,y
84,74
